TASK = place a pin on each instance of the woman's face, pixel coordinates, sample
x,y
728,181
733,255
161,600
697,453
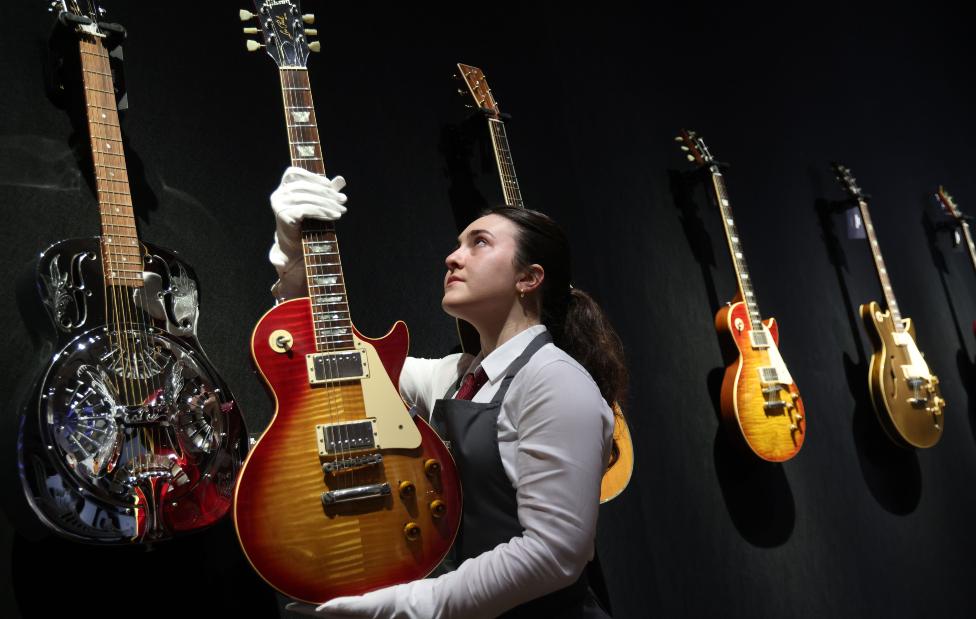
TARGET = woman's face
x,y
481,274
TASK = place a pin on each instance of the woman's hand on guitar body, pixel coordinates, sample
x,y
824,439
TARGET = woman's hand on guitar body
x,y
301,194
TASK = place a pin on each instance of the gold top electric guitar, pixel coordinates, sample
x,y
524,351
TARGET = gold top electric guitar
x,y
904,391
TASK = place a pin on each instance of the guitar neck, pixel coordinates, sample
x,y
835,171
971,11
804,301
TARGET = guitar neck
x,y
880,265
735,247
320,246
122,256
506,167
968,235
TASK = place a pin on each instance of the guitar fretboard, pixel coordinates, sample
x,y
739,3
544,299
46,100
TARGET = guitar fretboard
x,y
880,265
968,236
735,247
121,250
323,267
506,167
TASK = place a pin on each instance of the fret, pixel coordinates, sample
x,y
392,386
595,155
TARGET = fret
x,y
506,167
880,265
738,256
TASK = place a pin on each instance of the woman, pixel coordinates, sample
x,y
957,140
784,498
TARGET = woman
x,y
528,426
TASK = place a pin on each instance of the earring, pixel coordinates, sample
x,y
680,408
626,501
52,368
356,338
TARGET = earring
x,y
521,293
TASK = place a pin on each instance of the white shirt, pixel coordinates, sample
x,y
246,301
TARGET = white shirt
x,y
554,437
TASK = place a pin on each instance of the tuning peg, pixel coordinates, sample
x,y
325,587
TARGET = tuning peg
x,y
678,139
690,157
308,18
315,46
250,31
685,148
246,15
253,46
311,32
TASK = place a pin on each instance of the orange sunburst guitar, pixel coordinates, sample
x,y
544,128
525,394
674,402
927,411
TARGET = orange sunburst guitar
x,y
760,401
621,465
346,492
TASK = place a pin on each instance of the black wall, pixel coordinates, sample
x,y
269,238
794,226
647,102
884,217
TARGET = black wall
x,y
851,527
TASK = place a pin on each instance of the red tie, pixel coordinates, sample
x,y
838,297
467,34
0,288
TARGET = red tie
x,y
471,384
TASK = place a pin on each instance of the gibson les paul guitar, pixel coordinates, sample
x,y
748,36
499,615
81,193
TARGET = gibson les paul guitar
x,y
904,392
130,435
760,400
346,491
621,465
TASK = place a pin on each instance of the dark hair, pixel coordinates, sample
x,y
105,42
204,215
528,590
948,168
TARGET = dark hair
x,y
577,322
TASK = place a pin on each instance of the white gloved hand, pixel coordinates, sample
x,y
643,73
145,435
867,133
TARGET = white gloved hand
x,y
301,194
379,604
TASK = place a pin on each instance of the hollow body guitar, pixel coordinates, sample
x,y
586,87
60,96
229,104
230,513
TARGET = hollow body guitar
x,y
620,468
346,491
130,435
759,401
905,394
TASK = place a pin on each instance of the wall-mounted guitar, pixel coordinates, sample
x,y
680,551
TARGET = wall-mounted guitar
x,y
130,435
904,392
949,204
345,492
621,466
759,400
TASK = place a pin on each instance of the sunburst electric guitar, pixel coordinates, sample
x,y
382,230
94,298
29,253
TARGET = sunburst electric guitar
x,y
130,436
904,392
346,491
760,400
621,465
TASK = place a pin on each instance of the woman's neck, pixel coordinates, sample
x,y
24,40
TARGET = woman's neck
x,y
494,334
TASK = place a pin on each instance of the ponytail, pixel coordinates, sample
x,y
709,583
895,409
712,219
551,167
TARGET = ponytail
x,y
576,321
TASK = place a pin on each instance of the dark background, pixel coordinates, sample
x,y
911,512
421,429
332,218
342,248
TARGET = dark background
x,y
850,527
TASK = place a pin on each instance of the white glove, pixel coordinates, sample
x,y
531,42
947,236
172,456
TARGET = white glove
x,y
301,194
379,604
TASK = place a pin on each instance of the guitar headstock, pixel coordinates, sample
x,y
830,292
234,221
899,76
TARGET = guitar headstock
x,y
478,86
282,26
694,148
949,204
84,16
848,181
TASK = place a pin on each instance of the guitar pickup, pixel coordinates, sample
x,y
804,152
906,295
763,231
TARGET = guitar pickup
x,y
357,493
758,339
346,464
331,367
341,438
769,375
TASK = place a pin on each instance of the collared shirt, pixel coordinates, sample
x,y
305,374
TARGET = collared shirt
x,y
554,437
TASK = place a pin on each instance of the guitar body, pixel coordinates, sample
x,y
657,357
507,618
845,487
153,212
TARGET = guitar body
x,y
121,444
312,551
768,415
905,395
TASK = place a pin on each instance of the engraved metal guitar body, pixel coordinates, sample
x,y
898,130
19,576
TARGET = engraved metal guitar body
x,y
130,435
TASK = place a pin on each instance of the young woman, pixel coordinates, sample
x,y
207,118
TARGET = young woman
x,y
528,426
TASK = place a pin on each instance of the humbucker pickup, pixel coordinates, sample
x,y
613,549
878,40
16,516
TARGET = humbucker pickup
x,y
758,339
341,438
768,375
330,367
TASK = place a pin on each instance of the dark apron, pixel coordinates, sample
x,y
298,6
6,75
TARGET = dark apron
x,y
490,509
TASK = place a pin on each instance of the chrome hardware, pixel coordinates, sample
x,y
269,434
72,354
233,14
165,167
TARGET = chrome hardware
x,y
357,493
345,464
280,341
